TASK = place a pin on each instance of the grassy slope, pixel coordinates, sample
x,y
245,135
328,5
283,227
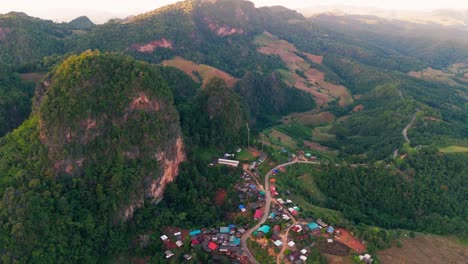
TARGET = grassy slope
x,y
425,249
452,149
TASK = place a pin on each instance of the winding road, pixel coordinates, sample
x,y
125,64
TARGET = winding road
x,y
405,130
266,211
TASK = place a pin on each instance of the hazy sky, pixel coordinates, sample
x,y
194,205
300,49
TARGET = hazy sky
x,y
101,10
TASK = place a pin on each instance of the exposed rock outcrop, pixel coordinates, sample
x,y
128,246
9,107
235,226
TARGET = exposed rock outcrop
x,y
151,46
122,130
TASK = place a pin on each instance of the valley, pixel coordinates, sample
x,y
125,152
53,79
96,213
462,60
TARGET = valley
x,y
218,131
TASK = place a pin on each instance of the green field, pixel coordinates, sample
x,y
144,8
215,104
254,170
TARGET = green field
x,y
245,155
454,149
321,134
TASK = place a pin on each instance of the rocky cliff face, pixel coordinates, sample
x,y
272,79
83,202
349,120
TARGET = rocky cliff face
x,y
111,121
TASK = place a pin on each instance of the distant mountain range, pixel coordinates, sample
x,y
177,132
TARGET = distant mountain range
x,y
446,17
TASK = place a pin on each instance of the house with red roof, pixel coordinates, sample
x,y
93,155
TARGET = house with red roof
x,y
258,214
212,246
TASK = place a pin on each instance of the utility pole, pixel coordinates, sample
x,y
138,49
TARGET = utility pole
x,y
248,135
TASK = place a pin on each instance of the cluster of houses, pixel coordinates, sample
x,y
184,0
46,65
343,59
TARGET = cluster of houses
x,y
296,256
254,165
223,240
178,238
249,195
292,209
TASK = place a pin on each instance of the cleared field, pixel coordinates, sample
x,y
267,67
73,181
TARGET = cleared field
x,y
358,108
315,146
426,249
314,58
454,72
332,259
316,119
321,134
453,149
219,197
296,131
206,72
279,138
301,75
349,240
309,118
245,155
309,184
319,212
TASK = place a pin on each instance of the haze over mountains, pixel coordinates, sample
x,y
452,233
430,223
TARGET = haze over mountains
x,y
107,130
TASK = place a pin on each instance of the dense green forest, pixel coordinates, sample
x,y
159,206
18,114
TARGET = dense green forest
x,y
65,219
89,126
267,96
216,117
15,101
427,194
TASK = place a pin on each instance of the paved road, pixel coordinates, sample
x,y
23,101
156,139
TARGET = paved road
x,y
266,211
405,130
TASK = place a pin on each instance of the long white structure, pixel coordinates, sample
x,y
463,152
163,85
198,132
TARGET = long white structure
x,y
233,163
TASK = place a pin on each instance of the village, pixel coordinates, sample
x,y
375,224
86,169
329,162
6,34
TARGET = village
x,y
276,224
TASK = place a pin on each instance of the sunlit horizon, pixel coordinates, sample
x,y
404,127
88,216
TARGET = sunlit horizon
x,y
103,10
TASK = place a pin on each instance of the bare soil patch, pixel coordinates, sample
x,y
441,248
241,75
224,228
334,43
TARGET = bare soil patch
x,y
222,30
425,249
219,197
346,238
314,58
151,46
332,259
334,248
254,152
206,72
358,108
342,119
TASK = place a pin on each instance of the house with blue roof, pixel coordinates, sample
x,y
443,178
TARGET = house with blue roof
x,y
264,229
242,208
195,232
224,230
234,242
330,230
313,226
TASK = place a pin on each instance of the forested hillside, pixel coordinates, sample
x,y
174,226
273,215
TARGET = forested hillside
x,y
428,194
105,138
15,101
86,154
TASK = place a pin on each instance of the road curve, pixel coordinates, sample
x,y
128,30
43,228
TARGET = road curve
x,y
266,211
405,130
